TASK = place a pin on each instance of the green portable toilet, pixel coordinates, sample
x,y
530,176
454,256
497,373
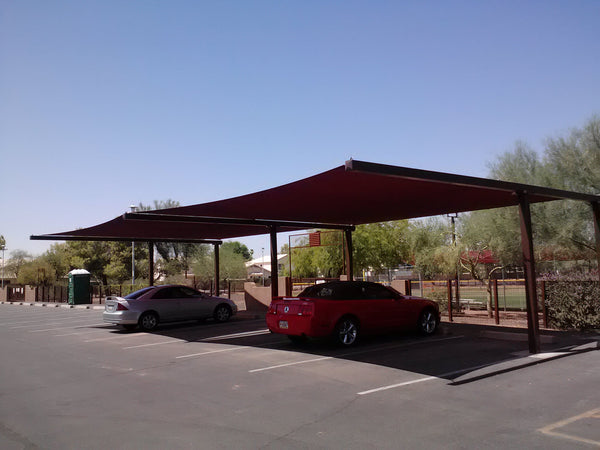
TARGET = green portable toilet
x,y
79,287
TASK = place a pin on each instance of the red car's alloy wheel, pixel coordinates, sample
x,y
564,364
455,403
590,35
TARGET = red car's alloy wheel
x,y
346,331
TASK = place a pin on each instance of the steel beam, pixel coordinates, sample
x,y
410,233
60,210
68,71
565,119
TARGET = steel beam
x,y
66,237
533,329
149,216
464,180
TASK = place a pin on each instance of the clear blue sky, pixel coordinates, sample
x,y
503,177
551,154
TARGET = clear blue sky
x,y
108,103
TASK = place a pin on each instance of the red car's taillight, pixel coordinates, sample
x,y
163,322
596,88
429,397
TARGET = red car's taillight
x,y
307,309
122,307
272,309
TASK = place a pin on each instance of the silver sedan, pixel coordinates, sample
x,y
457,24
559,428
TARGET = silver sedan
x,y
150,306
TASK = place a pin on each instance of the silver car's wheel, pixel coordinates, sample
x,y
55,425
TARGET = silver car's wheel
x,y
148,321
428,322
222,313
346,331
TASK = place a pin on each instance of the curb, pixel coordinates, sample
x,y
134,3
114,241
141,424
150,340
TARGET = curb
x,y
511,336
54,305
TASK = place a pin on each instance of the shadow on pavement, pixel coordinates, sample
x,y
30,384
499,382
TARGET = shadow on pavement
x,y
458,352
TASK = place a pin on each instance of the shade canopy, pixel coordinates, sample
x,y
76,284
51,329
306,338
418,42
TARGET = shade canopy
x,y
355,193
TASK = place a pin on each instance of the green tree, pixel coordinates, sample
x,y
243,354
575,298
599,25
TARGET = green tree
x,y
238,248
232,264
562,229
429,240
176,257
381,245
18,258
36,272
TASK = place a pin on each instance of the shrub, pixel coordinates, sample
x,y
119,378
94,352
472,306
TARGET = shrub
x,y
573,303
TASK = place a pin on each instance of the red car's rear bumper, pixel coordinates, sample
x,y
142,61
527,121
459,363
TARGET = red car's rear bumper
x,y
295,325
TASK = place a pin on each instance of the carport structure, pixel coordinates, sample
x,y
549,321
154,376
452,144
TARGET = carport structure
x,y
356,193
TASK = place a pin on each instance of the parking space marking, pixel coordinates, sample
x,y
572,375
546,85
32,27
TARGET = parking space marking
x,y
210,352
360,352
549,430
305,361
120,336
85,325
172,341
40,322
443,376
397,385
236,335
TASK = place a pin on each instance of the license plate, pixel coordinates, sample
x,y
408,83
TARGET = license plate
x,y
283,324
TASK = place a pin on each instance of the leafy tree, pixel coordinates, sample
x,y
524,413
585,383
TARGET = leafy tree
x,y
381,245
561,229
232,264
176,256
36,272
18,258
238,248
376,246
429,240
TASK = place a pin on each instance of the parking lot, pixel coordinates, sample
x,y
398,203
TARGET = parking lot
x,y
67,380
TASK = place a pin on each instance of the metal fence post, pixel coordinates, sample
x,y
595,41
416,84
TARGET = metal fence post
x,y
449,284
496,308
544,310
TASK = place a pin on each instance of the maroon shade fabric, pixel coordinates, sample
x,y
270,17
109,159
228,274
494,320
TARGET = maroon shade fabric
x,y
354,194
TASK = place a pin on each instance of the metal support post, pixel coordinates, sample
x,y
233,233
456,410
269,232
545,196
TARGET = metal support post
x,y
450,300
596,211
217,270
348,253
496,308
274,268
529,268
151,263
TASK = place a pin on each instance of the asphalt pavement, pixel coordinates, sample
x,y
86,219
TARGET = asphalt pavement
x,y
69,381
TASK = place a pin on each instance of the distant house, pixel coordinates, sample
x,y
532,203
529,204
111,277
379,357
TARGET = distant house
x,y
259,267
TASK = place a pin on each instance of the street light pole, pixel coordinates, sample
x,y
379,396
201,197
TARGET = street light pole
x,y
133,209
3,248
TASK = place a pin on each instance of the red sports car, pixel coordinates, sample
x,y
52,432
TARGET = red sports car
x,y
346,309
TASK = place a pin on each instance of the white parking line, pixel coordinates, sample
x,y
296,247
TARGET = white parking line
x,y
173,341
120,336
38,323
291,364
236,335
419,380
62,328
360,352
392,386
210,352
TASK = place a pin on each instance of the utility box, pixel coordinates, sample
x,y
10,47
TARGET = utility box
x,y
79,287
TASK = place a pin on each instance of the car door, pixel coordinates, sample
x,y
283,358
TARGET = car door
x,y
165,303
392,311
195,304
